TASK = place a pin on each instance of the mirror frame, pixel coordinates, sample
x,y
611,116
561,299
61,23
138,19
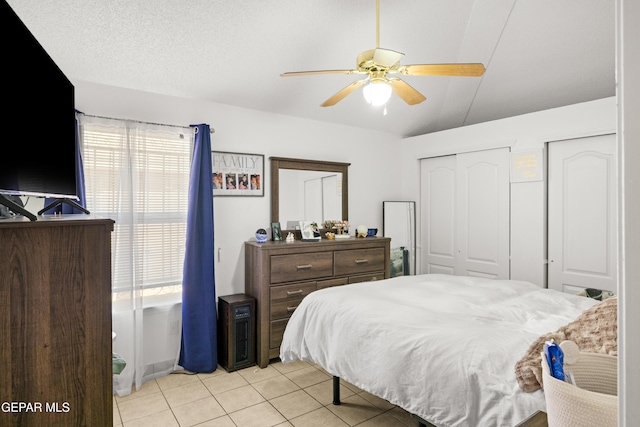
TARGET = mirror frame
x,y
278,163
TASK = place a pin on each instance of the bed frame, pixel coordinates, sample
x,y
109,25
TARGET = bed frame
x,y
336,401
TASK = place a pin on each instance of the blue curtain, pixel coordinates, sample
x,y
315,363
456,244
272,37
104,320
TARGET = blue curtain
x,y
199,349
80,191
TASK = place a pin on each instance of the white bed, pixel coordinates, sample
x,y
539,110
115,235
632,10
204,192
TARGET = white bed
x,y
441,347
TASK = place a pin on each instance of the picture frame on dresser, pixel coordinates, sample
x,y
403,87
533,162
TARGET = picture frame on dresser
x,y
309,231
276,231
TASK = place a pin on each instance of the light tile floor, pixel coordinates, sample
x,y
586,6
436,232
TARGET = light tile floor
x,y
296,394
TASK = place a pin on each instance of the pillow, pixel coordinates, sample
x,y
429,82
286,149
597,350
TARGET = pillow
x,y
595,331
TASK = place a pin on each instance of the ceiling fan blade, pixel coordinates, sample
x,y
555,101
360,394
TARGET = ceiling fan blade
x,y
386,57
308,73
406,92
340,95
472,70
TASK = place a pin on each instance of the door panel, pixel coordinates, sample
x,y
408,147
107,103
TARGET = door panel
x,y
482,195
582,214
438,176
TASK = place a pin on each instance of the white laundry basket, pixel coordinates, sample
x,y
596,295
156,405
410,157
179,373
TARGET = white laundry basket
x,y
592,402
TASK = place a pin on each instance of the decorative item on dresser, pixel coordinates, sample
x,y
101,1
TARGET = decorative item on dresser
x,y
279,275
261,235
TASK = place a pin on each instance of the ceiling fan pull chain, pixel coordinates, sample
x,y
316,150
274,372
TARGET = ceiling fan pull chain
x,y
377,23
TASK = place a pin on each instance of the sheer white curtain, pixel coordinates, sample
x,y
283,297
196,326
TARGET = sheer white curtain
x,y
138,175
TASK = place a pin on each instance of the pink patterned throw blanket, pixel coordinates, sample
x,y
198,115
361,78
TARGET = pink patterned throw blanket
x,y
594,331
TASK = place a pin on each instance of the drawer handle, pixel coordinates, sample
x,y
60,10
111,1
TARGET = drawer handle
x,y
290,309
298,292
303,266
362,261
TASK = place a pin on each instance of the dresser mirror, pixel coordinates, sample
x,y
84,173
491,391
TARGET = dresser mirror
x,y
399,223
308,190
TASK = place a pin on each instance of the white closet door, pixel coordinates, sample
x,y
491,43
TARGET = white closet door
x,y
438,184
582,214
465,214
482,199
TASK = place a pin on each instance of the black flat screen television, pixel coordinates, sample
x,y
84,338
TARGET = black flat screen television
x,y
38,147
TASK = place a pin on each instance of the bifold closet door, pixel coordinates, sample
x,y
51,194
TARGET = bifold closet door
x,y
438,211
582,214
465,214
482,194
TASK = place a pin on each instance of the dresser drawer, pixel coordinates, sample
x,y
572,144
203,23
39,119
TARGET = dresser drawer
x,y
295,267
367,277
356,261
285,299
333,282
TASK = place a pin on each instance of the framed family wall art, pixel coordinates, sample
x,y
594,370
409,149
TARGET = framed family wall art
x,y
237,174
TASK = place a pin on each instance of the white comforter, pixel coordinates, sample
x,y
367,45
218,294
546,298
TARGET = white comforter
x,y
441,347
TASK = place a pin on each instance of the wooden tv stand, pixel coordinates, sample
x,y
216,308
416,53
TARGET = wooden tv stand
x,y
55,317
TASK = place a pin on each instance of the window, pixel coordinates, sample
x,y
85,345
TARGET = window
x,y
138,175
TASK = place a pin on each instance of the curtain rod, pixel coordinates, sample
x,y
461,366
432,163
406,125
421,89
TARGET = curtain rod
x,y
212,130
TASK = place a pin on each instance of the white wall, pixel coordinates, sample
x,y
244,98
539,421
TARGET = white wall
x,y
528,200
248,131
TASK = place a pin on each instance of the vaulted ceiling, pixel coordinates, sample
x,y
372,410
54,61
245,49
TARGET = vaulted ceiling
x,y
538,54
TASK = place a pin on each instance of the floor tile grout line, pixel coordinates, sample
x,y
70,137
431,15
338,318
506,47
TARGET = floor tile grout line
x,y
303,389
168,404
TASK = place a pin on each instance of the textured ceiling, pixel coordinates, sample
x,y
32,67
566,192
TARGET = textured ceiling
x,y
539,54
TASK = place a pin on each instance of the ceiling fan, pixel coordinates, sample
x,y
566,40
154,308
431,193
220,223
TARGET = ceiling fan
x,y
378,64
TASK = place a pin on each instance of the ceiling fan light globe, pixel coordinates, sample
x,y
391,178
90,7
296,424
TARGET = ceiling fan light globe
x,y
377,94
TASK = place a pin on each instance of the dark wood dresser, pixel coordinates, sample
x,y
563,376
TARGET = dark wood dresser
x,y
279,274
55,317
